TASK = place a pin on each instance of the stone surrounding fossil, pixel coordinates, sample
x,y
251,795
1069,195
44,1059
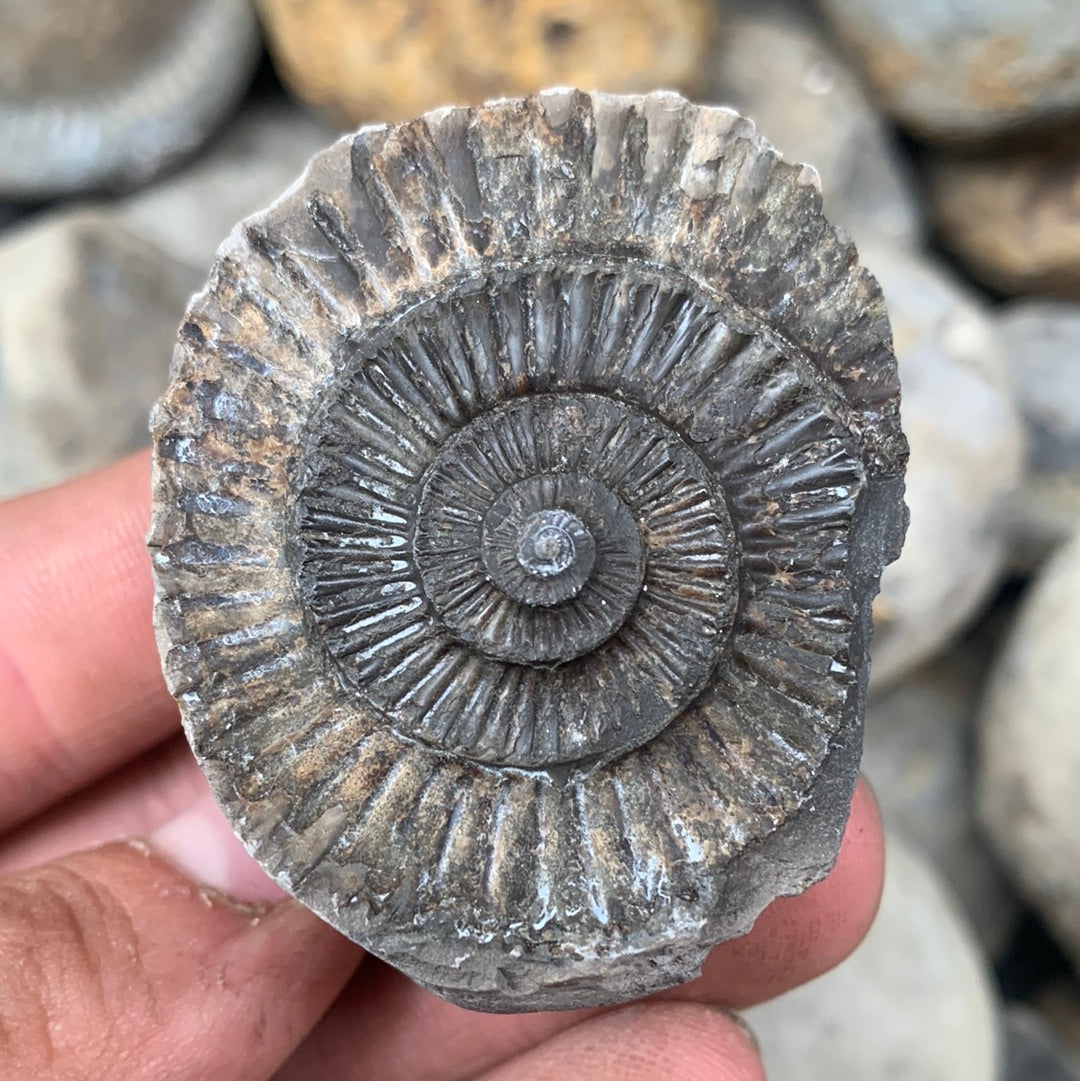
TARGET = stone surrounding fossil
x,y
369,60
914,1002
1012,215
106,93
917,757
772,62
1042,341
88,316
1030,747
520,497
960,416
966,69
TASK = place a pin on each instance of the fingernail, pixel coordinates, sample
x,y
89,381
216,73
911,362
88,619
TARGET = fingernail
x,y
200,843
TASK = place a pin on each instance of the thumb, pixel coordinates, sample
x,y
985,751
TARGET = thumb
x,y
172,959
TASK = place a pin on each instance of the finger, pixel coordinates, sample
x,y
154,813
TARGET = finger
x,y
798,938
115,964
133,800
80,685
641,1043
385,1026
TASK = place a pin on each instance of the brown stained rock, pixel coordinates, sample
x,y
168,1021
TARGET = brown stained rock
x,y
966,70
1014,217
519,501
365,60
108,93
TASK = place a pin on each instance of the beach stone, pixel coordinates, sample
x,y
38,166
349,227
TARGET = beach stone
x,y
966,69
917,756
365,60
88,315
1042,341
912,1003
966,451
1013,217
774,64
1030,748
1033,1052
107,93
1058,1004
262,151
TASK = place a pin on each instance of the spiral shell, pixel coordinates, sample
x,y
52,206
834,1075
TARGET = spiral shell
x,y
520,494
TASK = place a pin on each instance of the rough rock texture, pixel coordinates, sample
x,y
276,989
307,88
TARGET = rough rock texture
x,y
772,63
106,93
1033,1052
529,533
917,753
913,1003
966,69
1030,747
260,152
365,60
966,451
88,316
1042,342
1013,217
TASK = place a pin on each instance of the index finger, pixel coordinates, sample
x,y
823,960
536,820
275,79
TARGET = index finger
x,y
80,683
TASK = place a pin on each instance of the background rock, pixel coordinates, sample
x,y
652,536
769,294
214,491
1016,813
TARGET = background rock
x,y
107,93
962,424
264,149
917,755
913,1003
1030,748
367,60
773,63
1033,1052
1013,217
88,315
966,68
1042,341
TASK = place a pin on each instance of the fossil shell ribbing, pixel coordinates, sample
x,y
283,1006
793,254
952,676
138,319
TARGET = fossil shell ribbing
x,y
520,494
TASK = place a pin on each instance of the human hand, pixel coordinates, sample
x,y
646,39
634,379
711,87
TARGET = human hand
x,y
175,957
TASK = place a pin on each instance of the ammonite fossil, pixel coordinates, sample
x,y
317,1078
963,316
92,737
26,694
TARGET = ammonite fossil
x,y
521,491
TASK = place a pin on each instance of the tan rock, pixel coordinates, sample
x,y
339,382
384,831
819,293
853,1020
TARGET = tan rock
x,y
1014,218
390,60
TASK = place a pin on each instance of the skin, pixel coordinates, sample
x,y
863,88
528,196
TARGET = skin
x,y
137,939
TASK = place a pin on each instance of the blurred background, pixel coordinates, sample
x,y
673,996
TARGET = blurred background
x,y
135,133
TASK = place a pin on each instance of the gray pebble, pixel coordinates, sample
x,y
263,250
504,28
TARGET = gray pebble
x,y
913,1003
917,756
775,65
966,69
1030,747
88,315
965,436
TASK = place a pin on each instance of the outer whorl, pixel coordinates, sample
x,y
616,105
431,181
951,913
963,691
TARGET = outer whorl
x,y
521,492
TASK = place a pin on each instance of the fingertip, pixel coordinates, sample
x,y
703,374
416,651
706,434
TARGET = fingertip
x,y
798,938
688,1040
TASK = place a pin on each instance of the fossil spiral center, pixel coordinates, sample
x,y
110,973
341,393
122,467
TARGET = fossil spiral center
x,y
549,543
554,544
